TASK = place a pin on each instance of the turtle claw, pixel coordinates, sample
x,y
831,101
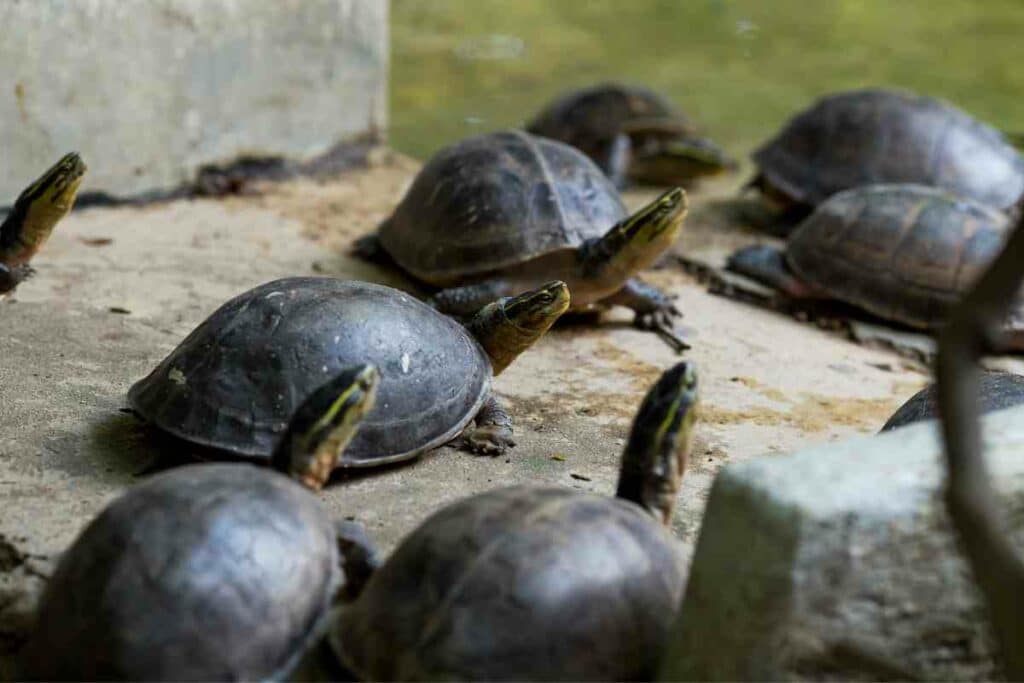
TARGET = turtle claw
x,y
488,440
661,321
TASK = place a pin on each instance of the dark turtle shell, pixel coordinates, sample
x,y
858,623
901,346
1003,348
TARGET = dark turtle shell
x,y
207,572
591,118
235,382
498,200
996,390
902,252
874,136
519,584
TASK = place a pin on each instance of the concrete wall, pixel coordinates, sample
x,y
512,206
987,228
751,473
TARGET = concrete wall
x,y
149,90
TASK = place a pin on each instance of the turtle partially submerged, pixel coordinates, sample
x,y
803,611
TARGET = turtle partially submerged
x,y
880,136
537,583
496,214
234,382
996,390
35,213
902,252
633,134
209,572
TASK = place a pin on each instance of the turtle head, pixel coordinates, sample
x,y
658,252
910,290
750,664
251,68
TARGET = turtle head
x,y
679,161
40,207
637,241
659,445
509,326
324,424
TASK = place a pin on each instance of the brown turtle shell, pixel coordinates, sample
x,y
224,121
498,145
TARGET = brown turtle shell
x,y
494,201
520,583
206,572
996,391
880,136
591,118
235,382
902,252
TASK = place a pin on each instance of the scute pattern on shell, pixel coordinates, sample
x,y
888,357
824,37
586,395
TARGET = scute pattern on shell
x,y
522,584
206,572
878,136
903,252
495,200
235,382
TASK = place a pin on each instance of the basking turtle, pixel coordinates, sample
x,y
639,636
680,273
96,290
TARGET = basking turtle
x,y
633,134
901,252
529,583
209,572
879,136
996,390
234,382
499,213
35,213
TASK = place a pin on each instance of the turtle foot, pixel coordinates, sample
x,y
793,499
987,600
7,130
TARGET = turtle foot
x,y
662,322
490,440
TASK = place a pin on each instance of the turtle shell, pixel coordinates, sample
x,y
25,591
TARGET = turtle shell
x,y
497,200
591,118
519,584
996,390
235,382
207,572
902,252
874,136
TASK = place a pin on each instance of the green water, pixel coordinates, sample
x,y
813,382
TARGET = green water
x,y
740,68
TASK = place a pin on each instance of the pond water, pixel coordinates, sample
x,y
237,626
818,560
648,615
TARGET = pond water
x,y
739,68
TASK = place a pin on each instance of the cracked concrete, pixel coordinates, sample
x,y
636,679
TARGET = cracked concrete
x,y
117,288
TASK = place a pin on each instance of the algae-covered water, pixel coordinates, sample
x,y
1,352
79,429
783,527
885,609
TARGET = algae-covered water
x,y
740,68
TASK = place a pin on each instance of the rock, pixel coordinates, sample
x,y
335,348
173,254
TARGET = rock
x,y
840,563
150,90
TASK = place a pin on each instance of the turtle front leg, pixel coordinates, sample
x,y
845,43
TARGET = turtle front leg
x,y
617,157
655,310
359,557
465,301
493,432
11,277
767,265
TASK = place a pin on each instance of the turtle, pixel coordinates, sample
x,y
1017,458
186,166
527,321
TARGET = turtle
x,y
886,136
214,571
233,383
904,253
537,582
498,213
35,213
996,390
633,134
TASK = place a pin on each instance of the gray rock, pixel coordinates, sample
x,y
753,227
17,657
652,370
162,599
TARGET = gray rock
x,y
150,90
840,563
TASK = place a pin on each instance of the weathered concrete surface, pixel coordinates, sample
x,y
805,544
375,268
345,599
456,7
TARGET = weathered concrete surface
x,y
839,562
65,449
149,90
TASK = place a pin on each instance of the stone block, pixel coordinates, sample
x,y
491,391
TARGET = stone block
x,y
839,562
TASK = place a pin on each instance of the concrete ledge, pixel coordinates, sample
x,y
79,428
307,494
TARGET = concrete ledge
x,y
150,90
840,562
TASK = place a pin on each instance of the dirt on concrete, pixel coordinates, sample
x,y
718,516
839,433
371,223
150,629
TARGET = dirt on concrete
x,y
118,287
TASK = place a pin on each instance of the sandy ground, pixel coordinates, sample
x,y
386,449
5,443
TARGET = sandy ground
x,y
118,288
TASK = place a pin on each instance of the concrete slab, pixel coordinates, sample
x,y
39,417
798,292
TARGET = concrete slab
x,y
150,90
839,563
769,385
